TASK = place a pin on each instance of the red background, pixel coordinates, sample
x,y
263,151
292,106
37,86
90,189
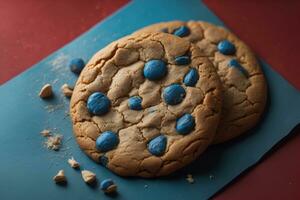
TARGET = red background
x,y
32,29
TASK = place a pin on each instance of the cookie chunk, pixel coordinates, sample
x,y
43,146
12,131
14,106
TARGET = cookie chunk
x,y
133,112
73,163
244,85
67,90
60,177
46,91
88,176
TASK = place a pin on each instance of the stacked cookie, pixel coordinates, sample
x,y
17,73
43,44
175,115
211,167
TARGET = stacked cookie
x,y
150,103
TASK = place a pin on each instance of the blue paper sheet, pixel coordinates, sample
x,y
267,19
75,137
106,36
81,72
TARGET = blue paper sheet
x,y
27,167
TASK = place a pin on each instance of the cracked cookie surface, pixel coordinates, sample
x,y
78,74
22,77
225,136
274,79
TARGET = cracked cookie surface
x,y
244,85
154,138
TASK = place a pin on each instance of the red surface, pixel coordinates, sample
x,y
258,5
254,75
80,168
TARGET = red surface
x,y
272,29
31,29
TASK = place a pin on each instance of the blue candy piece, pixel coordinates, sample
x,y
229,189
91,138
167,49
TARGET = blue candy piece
x,y
234,63
173,94
191,78
108,140
103,160
155,69
135,103
157,145
182,60
226,47
76,65
182,31
104,185
185,124
98,103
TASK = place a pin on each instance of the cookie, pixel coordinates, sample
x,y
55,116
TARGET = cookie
x,y
244,85
132,111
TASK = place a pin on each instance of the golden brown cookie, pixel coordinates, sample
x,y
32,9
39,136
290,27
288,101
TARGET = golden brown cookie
x,y
146,105
244,85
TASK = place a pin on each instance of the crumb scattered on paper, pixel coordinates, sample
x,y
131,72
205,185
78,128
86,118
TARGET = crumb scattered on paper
x,y
46,91
59,66
73,163
88,176
190,178
59,63
52,108
53,142
67,113
55,81
60,177
46,133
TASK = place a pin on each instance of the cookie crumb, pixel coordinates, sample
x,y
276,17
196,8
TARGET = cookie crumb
x,y
46,133
211,177
46,91
54,142
60,177
67,90
73,163
190,178
52,108
88,176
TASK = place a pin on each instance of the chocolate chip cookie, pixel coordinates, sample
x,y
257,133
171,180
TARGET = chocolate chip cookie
x,y
146,105
244,85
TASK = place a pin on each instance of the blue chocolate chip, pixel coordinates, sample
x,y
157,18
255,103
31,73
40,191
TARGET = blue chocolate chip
x,y
108,186
106,141
76,65
182,60
98,103
103,160
106,183
182,31
191,78
135,103
155,69
157,145
173,94
185,124
234,63
226,47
